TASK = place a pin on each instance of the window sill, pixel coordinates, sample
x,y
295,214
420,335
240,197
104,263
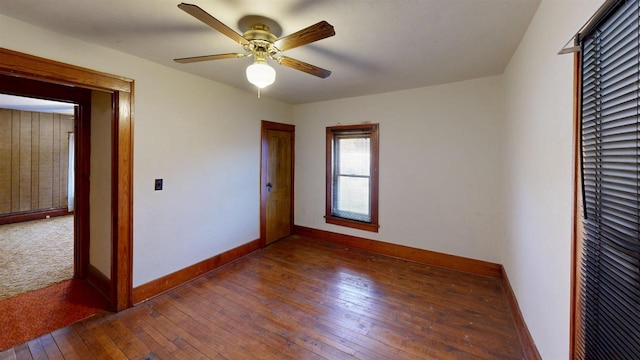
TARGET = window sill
x,y
352,223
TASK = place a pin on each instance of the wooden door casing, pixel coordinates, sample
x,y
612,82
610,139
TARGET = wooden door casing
x,y
25,66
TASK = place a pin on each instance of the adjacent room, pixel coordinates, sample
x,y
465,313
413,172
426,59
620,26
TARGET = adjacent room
x,y
324,179
37,163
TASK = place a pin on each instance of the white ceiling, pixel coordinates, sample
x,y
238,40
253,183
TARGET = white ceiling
x,y
379,46
37,105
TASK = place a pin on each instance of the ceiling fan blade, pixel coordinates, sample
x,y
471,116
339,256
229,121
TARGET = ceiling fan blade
x,y
305,36
208,57
204,16
303,66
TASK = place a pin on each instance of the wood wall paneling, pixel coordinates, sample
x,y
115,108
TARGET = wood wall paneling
x,y
66,128
5,161
24,159
46,161
15,163
55,171
34,161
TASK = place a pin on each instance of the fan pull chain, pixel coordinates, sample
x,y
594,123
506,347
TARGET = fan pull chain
x,y
258,93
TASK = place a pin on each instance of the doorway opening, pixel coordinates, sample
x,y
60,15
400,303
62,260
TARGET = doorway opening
x,y
44,208
37,193
47,77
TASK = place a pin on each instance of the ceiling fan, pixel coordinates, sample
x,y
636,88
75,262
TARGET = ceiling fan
x,y
261,42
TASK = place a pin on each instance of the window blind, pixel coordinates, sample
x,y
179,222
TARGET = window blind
x,y
609,303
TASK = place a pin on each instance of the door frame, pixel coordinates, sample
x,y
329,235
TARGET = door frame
x,y
27,66
265,127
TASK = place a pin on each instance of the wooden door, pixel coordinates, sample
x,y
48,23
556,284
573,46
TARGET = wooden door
x,y
277,181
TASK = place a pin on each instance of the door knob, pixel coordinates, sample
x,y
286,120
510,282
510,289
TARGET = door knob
x,y
269,186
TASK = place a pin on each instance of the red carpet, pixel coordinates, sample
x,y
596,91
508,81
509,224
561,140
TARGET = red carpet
x,y
39,312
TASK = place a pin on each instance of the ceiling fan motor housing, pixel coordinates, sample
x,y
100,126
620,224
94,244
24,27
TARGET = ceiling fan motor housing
x,y
259,32
260,41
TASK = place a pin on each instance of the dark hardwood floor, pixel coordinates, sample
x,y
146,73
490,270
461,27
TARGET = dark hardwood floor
x,y
302,298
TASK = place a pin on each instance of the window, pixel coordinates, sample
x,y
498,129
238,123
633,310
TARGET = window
x,y
352,176
608,293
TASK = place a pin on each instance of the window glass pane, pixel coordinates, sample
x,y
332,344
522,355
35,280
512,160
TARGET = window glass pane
x,y
354,156
353,198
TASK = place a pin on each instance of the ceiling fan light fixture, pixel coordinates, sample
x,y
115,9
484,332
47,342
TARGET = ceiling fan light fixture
x,y
261,42
261,74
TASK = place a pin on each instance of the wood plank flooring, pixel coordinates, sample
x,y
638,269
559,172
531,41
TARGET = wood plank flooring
x,y
302,298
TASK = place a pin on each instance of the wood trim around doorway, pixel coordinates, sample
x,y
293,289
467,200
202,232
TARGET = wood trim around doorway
x,y
265,126
13,63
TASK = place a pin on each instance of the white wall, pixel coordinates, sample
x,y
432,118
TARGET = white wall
x,y
440,165
538,163
100,183
201,137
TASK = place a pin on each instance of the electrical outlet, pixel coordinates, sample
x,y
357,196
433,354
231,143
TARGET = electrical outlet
x,y
158,184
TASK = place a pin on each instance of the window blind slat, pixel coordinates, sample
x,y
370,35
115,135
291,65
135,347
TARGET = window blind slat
x,y
614,236
617,18
621,218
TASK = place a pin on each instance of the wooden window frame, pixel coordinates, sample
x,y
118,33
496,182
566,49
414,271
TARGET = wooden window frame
x,y
373,129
